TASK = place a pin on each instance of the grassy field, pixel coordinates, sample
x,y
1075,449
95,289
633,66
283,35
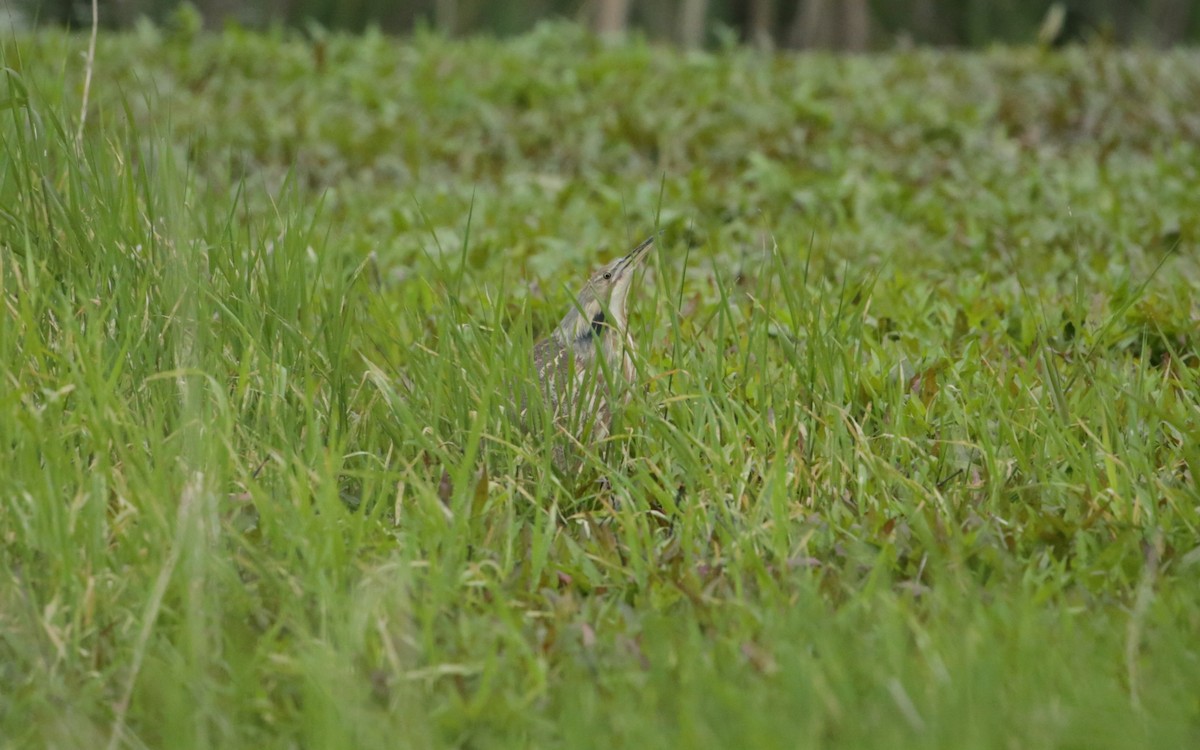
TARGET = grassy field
x,y
914,464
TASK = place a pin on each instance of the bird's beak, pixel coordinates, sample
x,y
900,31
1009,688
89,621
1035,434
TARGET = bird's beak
x,y
636,255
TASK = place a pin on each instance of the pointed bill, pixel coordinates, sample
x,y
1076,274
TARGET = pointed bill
x,y
635,255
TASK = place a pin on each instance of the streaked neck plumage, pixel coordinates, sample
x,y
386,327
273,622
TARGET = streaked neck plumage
x,y
599,315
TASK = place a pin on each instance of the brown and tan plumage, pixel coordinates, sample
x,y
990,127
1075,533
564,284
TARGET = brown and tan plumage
x,y
587,356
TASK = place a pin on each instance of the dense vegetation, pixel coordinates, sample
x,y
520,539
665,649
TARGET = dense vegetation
x,y
914,463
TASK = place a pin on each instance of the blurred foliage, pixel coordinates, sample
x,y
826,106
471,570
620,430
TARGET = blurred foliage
x,y
777,22
960,154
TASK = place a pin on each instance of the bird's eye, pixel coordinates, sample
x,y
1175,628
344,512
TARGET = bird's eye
x,y
607,275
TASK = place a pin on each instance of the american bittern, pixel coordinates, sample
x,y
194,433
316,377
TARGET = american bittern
x,y
587,356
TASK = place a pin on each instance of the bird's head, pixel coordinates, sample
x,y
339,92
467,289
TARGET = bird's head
x,y
602,301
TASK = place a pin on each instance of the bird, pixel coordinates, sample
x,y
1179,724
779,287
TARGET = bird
x,y
585,364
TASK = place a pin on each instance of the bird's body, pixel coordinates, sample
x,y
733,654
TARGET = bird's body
x,y
584,363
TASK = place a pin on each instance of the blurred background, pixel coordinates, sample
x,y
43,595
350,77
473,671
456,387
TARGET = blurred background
x,y
821,24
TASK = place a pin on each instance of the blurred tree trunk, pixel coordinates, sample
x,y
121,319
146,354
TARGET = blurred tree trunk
x,y
1122,19
808,23
830,24
923,22
445,16
216,12
856,26
116,14
762,24
612,16
1169,20
692,15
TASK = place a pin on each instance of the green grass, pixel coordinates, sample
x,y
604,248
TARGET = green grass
x,y
914,466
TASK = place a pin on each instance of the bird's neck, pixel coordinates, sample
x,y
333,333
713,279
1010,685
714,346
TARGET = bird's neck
x,y
589,322
591,331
